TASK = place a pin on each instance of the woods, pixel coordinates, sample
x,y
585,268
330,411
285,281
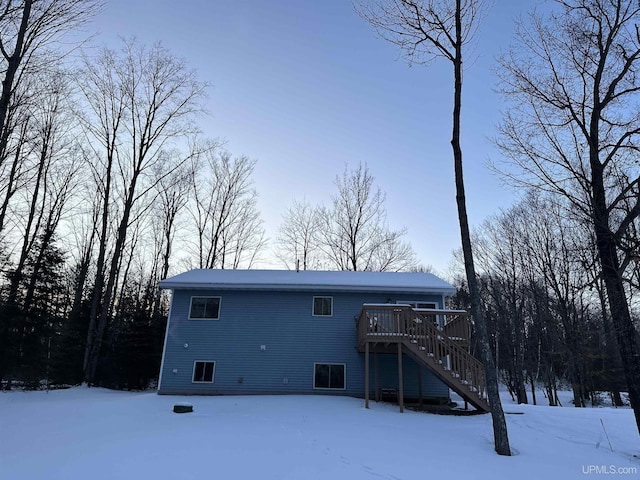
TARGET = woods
x,y
545,303
573,133
93,155
110,183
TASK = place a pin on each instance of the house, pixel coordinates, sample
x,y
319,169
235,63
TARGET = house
x,y
316,332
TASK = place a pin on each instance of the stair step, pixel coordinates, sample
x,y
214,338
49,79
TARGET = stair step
x,y
424,348
413,340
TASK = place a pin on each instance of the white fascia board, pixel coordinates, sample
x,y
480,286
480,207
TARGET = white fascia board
x,y
307,287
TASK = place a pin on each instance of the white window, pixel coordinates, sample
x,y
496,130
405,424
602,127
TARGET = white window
x,y
206,308
329,376
322,306
203,371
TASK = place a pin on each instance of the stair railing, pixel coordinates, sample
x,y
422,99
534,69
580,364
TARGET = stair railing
x,y
419,328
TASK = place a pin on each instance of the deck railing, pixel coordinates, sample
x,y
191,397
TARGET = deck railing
x,y
441,336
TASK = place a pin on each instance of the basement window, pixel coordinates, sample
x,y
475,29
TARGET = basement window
x,y
203,371
329,376
322,306
205,308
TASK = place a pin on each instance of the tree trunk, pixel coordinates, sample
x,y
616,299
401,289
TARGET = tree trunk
x,y
13,62
624,330
118,248
10,186
533,389
30,232
500,435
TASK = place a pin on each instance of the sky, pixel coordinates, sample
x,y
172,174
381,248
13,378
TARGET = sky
x,y
306,88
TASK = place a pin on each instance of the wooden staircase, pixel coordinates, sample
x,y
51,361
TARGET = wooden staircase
x,y
435,339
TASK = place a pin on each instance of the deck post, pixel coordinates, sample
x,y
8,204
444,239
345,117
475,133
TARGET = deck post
x,y
400,382
420,387
366,375
376,385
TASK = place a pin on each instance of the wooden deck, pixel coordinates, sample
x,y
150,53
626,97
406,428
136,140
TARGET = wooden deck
x,y
435,339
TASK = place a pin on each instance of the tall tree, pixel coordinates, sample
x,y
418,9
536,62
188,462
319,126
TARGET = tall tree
x,y
32,44
425,30
570,79
36,186
139,102
27,29
49,169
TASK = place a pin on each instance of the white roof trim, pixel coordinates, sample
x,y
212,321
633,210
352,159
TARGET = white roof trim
x,y
396,282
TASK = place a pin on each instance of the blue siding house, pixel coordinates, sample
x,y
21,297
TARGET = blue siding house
x,y
301,332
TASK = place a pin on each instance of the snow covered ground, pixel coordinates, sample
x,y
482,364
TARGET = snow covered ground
x,y
98,434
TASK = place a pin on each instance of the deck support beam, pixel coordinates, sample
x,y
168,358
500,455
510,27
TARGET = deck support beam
x,y
376,385
420,387
366,375
400,382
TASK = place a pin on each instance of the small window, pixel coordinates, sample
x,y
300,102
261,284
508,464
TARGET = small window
x,y
322,306
203,372
205,307
329,376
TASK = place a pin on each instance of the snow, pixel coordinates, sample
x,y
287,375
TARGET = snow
x,y
410,282
83,433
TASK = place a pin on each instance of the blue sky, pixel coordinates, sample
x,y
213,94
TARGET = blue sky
x,y
306,86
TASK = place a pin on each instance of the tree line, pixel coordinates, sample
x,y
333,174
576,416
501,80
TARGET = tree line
x,y
545,303
102,165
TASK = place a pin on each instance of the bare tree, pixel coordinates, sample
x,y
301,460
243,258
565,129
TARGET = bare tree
x,y
229,230
48,167
173,192
35,196
570,79
538,278
138,104
28,28
550,248
15,146
425,30
297,242
499,255
354,234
